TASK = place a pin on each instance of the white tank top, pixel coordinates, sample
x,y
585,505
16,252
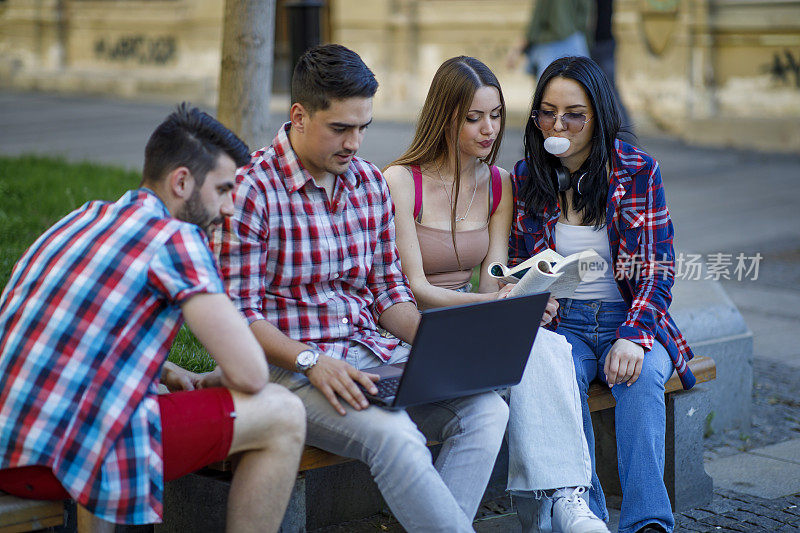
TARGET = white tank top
x,y
574,239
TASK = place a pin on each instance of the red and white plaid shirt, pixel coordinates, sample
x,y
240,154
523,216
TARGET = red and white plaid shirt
x,y
321,271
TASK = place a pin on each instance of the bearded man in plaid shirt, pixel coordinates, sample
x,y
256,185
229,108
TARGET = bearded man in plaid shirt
x,y
310,259
86,322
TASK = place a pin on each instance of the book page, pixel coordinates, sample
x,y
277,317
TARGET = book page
x,y
535,280
567,282
574,270
562,280
514,275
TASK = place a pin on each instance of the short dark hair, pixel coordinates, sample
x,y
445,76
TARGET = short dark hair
x,y
541,190
330,72
193,139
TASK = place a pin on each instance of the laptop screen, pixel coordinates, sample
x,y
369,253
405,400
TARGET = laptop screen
x,y
468,349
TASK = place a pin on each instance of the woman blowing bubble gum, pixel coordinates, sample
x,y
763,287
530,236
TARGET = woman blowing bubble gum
x,y
580,187
453,210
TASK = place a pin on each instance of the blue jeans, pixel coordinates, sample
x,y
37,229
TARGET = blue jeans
x,y
424,496
640,415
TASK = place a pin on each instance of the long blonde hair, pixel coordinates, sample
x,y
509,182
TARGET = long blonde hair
x,y
446,106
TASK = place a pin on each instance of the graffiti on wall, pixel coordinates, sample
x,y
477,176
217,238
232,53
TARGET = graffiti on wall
x,y
137,49
785,68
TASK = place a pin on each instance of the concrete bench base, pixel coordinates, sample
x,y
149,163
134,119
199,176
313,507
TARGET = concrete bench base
x,y
688,484
321,497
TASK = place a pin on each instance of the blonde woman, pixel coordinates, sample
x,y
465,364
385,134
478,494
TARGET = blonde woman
x,y
453,211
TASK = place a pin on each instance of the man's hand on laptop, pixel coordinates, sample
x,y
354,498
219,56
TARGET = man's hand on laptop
x,y
333,377
549,311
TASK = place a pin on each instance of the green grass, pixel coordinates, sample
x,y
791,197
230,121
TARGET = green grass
x,y
37,191
189,353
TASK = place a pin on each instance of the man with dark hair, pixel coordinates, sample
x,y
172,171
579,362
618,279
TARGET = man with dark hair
x,y
332,71
86,322
310,259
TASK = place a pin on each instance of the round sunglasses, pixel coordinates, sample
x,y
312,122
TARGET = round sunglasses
x,y
546,120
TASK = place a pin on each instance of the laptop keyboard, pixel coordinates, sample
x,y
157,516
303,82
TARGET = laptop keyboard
x,y
387,387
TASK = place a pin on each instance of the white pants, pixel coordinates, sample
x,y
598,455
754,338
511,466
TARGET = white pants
x,y
546,444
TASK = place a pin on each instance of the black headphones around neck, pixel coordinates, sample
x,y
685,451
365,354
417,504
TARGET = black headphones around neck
x,y
567,179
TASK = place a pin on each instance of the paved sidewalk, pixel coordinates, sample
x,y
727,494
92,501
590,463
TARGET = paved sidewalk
x,y
722,201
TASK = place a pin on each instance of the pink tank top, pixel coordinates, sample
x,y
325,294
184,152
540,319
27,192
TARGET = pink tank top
x,y
436,245
495,190
439,257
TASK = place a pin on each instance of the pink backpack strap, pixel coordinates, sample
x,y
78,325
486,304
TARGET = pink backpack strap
x,y
496,190
416,173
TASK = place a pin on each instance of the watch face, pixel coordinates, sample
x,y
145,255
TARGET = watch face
x,y
305,358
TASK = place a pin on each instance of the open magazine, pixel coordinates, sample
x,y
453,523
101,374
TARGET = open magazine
x,y
547,271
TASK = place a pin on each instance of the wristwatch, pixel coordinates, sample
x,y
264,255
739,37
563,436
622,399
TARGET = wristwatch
x,y
305,360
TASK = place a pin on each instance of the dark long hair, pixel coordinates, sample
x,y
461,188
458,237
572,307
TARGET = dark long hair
x,y
540,191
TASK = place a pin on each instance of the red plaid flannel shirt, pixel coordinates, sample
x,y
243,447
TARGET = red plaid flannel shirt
x,y
320,270
640,234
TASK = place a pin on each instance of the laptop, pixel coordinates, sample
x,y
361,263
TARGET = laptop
x,y
463,350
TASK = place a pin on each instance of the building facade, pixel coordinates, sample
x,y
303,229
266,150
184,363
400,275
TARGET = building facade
x,y
712,71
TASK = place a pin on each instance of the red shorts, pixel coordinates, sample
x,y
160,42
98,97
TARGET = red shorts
x,y
196,430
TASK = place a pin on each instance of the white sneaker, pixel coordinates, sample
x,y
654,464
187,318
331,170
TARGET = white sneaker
x,y
571,514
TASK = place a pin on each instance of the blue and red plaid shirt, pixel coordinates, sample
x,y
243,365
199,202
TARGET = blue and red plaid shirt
x,y
86,322
640,236
320,270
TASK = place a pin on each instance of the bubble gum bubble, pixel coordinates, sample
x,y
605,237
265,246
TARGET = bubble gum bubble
x,y
556,145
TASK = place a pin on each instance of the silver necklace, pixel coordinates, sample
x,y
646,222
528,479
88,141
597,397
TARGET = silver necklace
x,y
450,196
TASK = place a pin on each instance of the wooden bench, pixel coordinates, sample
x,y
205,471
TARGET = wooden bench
x,y
17,514
600,398
323,473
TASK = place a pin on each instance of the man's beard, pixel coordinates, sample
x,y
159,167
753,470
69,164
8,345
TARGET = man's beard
x,y
195,212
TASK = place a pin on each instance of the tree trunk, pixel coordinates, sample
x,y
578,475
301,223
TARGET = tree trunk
x,y
245,79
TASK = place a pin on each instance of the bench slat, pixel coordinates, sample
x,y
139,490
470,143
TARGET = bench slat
x,y
314,457
702,367
18,514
